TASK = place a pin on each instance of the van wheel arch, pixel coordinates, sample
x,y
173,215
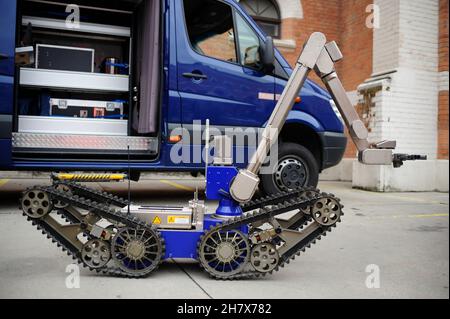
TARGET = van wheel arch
x,y
305,136
299,163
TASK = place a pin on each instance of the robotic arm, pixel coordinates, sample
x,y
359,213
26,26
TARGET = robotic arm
x,y
318,56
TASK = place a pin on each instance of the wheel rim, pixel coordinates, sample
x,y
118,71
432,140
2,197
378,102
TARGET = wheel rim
x,y
224,253
66,189
326,211
96,253
36,204
308,194
291,173
264,257
137,251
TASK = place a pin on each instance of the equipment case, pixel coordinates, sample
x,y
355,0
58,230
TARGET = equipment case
x,y
86,109
55,57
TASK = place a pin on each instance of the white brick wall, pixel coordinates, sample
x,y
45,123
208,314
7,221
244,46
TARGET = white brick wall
x,y
407,41
443,81
406,110
386,38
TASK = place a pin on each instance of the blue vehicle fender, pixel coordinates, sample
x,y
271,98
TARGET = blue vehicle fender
x,y
298,117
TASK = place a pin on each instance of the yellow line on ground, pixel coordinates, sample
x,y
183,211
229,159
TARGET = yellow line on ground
x,y
409,216
3,182
176,185
428,215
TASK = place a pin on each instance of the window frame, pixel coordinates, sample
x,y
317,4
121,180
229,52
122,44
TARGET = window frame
x,y
237,52
277,22
237,45
275,74
274,22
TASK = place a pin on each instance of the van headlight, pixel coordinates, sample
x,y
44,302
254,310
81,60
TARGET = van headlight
x,y
336,111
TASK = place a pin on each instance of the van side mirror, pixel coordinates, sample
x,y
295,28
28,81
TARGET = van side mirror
x,y
267,52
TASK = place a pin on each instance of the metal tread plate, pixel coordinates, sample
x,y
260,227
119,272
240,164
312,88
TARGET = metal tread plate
x,y
83,143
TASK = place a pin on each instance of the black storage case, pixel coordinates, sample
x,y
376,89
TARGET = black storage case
x,y
86,109
63,58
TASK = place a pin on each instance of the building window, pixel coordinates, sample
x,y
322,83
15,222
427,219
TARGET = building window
x,y
266,14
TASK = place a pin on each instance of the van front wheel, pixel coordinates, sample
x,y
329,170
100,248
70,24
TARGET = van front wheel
x,y
296,168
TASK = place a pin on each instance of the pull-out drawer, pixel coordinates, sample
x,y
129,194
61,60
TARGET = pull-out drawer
x,y
75,81
72,125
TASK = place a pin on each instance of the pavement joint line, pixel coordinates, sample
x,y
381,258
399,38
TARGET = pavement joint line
x,y
191,278
3,182
176,185
428,215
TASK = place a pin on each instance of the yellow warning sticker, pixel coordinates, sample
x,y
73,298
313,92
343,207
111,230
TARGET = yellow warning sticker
x,y
156,221
178,220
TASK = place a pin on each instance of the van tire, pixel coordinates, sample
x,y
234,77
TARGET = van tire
x,y
297,167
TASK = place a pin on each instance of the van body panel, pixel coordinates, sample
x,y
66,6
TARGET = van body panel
x,y
303,118
7,38
316,104
6,93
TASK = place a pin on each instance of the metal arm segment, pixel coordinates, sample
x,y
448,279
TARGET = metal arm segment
x,y
246,182
319,56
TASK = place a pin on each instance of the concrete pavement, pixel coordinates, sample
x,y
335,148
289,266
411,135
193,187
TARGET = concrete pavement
x,y
402,236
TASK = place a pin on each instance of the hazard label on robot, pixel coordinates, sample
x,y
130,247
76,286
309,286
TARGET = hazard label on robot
x,y
245,237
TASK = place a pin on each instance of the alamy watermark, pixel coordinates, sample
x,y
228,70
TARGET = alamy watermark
x,y
373,19
373,280
191,147
73,18
73,279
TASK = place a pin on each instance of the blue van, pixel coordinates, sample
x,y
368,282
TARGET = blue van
x,y
118,85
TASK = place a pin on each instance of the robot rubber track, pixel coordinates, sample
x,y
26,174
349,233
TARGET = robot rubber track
x,y
268,208
258,211
101,210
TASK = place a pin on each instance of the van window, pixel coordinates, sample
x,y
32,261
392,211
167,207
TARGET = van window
x,y
248,44
210,27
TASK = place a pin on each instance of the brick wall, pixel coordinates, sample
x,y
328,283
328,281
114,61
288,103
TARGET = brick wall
x,y
356,41
443,125
221,47
342,21
345,22
322,16
443,69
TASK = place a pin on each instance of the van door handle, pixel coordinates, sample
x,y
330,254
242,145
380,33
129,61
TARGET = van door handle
x,y
4,56
195,76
